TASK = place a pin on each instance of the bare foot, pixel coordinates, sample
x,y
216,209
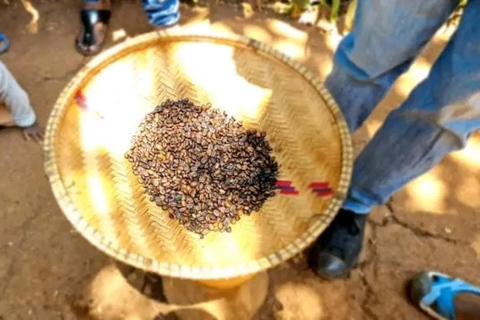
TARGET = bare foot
x,y
467,306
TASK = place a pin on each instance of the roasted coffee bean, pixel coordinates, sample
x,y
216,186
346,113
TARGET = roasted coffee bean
x,y
202,167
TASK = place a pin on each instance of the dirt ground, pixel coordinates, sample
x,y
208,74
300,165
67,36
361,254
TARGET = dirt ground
x,y
47,270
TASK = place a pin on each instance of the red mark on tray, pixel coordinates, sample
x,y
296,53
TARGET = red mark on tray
x,y
286,187
83,104
321,189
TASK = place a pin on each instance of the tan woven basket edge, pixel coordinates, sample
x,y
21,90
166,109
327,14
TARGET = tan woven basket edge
x,y
204,273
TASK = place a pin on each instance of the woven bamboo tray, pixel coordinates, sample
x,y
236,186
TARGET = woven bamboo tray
x,y
95,117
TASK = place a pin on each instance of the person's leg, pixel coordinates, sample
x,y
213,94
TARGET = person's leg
x,y
162,13
437,118
95,16
6,119
386,37
434,120
15,108
15,99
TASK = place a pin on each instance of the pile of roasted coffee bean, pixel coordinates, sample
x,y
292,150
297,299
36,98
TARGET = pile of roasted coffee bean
x,y
201,166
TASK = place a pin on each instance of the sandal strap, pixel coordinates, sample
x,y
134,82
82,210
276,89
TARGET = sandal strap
x,y
92,17
452,286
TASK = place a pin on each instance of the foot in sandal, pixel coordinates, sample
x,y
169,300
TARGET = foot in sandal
x,y
445,298
95,17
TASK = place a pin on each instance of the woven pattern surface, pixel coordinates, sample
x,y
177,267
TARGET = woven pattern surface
x,y
92,124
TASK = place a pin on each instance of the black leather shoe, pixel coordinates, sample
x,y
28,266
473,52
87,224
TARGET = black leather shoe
x,y
337,249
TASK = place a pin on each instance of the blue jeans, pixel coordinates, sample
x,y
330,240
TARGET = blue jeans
x,y
161,13
437,117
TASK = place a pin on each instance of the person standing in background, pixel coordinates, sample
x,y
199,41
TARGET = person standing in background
x,y
437,118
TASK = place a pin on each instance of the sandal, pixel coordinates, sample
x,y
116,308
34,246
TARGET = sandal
x,y
93,39
4,43
434,293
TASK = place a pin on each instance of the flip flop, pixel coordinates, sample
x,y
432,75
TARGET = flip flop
x,y
434,293
4,43
89,43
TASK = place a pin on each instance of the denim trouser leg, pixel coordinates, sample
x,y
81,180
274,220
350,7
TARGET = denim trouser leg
x,y
162,13
437,117
387,36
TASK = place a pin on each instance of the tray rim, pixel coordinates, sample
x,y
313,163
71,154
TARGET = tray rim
x,y
183,271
